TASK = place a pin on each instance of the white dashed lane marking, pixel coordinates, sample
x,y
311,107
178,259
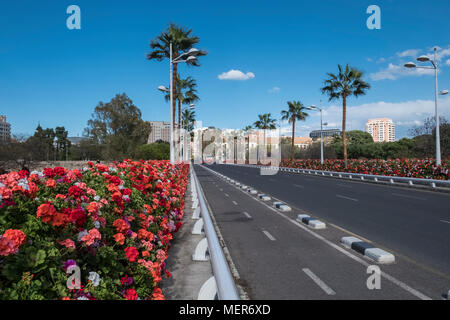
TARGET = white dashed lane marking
x,y
268,235
347,198
319,282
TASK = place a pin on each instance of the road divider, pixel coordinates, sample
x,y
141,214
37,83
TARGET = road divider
x,y
376,254
313,223
282,206
264,197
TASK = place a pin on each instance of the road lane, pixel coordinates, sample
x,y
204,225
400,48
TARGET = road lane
x,y
410,226
272,269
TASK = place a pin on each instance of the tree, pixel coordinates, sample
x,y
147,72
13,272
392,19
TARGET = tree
x,y
62,143
181,40
265,122
294,112
154,151
117,126
188,119
345,84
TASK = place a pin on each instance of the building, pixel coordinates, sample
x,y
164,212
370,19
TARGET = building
x,y
160,131
76,140
381,129
5,130
315,134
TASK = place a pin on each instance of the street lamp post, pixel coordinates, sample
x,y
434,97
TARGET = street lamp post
x,y
184,154
436,111
313,107
191,56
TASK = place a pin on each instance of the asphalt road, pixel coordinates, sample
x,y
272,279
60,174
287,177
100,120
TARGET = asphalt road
x,y
279,259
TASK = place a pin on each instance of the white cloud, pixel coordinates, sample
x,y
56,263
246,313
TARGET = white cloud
x,y
447,62
404,114
274,90
236,75
408,53
393,72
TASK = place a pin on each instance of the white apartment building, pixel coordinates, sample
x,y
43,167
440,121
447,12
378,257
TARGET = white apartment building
x,y
160,131
381,129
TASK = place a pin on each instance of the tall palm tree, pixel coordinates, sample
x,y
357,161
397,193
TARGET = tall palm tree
x,y
182,41
293,113
247,129
345,84
265,122
188,119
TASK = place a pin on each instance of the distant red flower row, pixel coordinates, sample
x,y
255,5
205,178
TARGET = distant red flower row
x,y
416,168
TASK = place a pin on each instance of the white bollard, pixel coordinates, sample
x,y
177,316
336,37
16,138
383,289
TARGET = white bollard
x,y
198,227
208,291
201,251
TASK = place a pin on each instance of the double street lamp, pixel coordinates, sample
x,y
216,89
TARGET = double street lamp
x,y
313,107
443,92
190,56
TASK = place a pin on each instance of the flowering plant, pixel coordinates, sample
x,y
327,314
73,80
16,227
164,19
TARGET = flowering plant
x,y
415,168
113,222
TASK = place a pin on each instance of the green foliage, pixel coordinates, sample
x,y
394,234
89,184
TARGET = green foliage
x,y
153,151
117,126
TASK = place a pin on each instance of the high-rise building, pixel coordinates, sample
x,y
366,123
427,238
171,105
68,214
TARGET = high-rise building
x,y
5,130
381,129
160,131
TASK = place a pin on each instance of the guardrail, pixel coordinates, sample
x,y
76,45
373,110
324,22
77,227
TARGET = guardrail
x,y
226,288
433,183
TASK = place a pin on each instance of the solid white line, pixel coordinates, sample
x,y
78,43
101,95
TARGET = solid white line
x,y
344,197
247,215
407,196
235,203
268,235
444,221
397,282
319,282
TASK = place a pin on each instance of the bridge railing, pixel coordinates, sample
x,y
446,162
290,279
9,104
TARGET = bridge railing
x,y
226,288
433,183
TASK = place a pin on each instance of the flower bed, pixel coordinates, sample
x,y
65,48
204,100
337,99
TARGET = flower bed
x,y
415,168
112,224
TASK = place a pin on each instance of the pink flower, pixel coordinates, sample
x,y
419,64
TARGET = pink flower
x,y
67,243
91,237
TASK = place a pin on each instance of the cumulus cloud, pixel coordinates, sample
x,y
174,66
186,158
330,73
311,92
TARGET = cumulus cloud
x,y
274,90
408,53
236,75
404,114
393,72
396,70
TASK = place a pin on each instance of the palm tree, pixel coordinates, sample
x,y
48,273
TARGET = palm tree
x,y
188,119
181,40
346,83
247,129
295,112
265,122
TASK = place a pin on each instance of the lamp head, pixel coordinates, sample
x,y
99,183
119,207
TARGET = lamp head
x,y
410,65
443,92
423,58
163,89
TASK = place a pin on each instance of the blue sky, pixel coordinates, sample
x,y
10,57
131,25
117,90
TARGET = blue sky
x,y
56,76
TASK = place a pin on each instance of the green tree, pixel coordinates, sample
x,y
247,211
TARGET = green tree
x,y
293,113
182,41
264,122
346,83
154,151
118,127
